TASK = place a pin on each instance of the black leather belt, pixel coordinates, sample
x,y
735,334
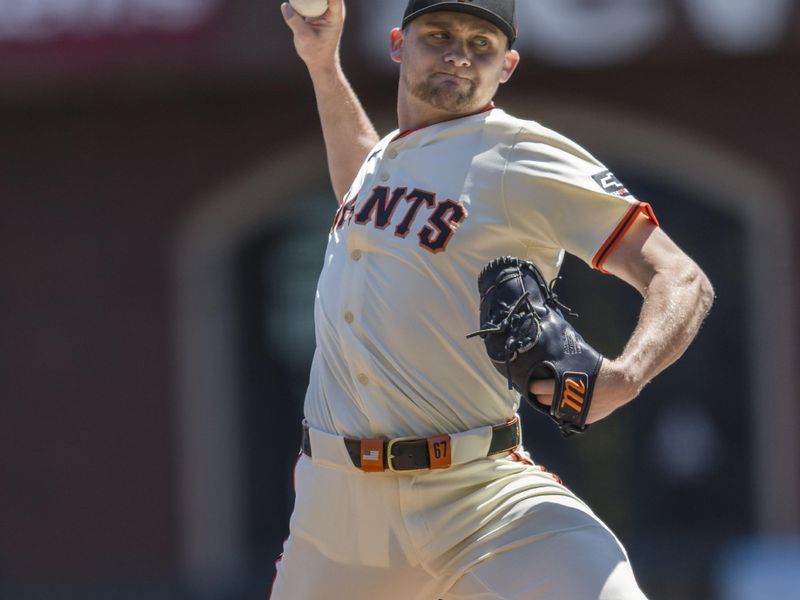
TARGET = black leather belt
x,y
415,454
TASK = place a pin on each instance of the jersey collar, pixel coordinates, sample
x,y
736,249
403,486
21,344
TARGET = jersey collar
x,y
403,134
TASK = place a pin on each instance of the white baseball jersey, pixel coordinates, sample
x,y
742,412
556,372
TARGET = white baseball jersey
x,y
398,290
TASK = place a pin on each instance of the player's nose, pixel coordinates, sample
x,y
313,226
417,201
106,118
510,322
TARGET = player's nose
x,y
457,55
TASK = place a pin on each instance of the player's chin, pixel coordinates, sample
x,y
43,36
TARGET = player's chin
x,y
453,101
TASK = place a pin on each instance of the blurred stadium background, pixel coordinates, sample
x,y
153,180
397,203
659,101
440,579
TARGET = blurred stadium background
x,y
164,208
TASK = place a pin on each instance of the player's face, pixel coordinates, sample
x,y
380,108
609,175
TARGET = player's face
x,y
452,62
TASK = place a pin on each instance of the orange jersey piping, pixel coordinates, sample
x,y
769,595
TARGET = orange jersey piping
x,y
622,228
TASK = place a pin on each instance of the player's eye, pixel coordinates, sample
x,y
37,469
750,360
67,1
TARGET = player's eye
x,y
439,36
482,42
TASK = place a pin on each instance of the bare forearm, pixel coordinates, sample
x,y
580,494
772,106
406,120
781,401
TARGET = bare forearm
x,y
677,296
675,303
348,132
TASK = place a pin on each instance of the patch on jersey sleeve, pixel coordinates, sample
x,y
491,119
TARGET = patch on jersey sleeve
x,y
611,185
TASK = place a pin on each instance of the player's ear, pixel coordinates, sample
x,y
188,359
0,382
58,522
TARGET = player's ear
x,y
396,39
510,63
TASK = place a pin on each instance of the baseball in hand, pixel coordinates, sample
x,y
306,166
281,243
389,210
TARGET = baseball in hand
x,y
310,8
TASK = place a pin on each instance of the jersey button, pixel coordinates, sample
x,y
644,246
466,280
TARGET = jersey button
x,y
356,255
348,316
384,177
363,379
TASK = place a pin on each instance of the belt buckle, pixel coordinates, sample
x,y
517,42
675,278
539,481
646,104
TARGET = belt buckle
x,y
390,456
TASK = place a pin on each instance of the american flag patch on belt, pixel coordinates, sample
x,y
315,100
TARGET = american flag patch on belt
x,y
371,455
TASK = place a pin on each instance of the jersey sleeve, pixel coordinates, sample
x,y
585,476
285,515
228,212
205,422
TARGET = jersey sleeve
x,y
558,196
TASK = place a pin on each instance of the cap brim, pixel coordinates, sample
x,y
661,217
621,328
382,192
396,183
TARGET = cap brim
x,y
477,11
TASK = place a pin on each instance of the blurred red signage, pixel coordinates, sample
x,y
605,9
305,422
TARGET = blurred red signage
x,y
81,32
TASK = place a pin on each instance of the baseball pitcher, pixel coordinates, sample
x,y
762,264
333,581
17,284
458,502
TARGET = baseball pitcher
x,y
412,482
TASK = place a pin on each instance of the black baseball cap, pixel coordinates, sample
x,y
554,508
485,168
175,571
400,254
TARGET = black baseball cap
x,y
500,13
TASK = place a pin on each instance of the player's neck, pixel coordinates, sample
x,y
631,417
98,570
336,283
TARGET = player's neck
x,y
414,114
